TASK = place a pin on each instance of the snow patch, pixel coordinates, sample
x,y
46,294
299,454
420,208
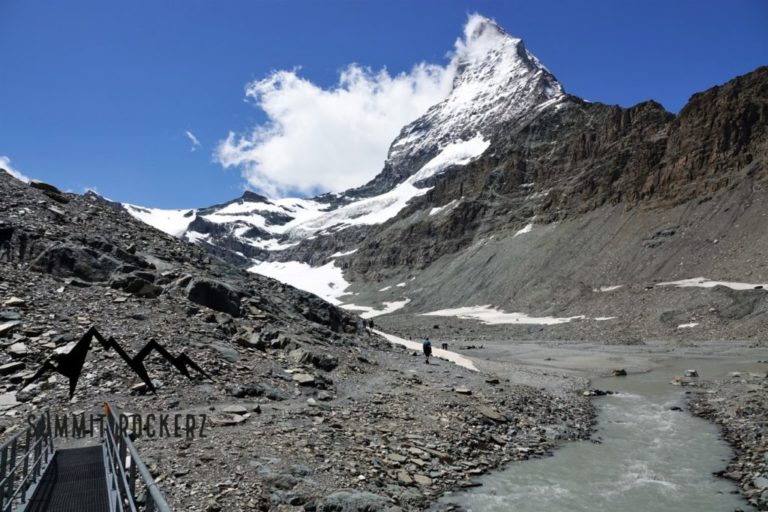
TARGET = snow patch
x,y
327,281
446,207
369,312
526,229
194,237
604,289
173,222
340,254
701,282
490,315
687,326
453,357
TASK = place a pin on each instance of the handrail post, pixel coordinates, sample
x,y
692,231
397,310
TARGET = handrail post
x,y
38,439
132,479
126,467
26,466
3,465
12,474
49,436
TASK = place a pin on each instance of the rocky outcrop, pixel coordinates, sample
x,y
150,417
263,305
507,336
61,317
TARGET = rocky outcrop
x,y
215,295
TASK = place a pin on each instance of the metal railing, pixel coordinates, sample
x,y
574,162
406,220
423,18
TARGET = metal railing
x,y
125,470
23,459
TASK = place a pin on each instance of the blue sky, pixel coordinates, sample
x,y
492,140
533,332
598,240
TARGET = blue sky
x,y
100,94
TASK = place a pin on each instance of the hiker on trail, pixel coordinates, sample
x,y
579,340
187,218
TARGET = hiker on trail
x,y
427,346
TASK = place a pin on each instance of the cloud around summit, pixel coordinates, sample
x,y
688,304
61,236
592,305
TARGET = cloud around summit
x,y
5,163
320,139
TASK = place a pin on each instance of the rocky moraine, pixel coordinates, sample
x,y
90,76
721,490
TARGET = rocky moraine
x,y
307,409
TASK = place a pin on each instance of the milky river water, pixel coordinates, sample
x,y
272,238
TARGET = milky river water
x,y
650,458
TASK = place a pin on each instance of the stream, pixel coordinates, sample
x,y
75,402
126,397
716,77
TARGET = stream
x,y
644,456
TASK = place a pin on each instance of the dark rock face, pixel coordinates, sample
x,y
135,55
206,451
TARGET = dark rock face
x,y
578,157
215,295
92,260
70,260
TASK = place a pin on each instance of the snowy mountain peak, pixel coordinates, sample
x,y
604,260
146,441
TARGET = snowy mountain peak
x,y
487,45
481,36
497,81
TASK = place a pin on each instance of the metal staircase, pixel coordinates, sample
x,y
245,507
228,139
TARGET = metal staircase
x,y
106,477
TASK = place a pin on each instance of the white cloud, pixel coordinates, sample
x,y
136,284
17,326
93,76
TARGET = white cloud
x,y
195,142
5,163
320,139
329,139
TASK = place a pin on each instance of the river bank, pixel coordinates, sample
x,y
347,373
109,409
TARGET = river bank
x,y
736,402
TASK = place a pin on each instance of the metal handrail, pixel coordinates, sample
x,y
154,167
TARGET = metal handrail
x,y
124,465
37,448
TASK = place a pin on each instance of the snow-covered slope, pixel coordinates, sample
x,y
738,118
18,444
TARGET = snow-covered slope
x,y
281,223
173,222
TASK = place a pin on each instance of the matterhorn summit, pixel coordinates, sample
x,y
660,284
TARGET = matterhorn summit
x,y
497,81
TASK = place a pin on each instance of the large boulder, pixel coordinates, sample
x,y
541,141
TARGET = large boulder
x,y
255,389
355,501
317,310
215,295
72,260
49,190
140,284
45,187
325,362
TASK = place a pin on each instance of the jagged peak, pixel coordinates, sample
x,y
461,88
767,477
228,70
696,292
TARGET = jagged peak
x,y
478,25
496,79
253,197
482,35
486,44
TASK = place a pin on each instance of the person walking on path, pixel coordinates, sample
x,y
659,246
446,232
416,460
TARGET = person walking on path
x,y
427,346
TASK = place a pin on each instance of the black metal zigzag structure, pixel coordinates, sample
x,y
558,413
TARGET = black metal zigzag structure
x,y
71,364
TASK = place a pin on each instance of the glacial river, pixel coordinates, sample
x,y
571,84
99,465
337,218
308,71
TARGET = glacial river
x,y
649,457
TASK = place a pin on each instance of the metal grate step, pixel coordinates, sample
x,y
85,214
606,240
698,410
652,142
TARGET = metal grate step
x,y
74,482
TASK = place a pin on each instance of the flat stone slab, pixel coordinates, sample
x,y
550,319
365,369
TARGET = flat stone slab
x,y
304,379
9,368
7,327
235,409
